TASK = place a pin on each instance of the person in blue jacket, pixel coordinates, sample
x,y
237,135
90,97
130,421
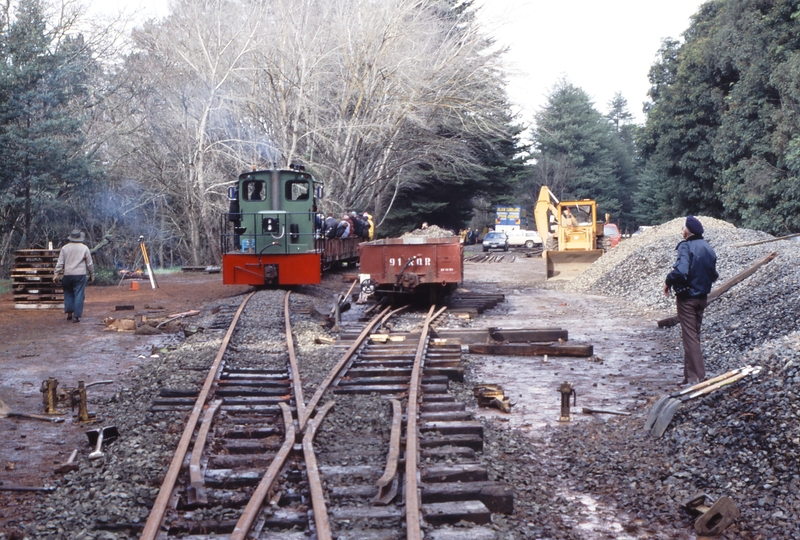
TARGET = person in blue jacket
x,y
691,279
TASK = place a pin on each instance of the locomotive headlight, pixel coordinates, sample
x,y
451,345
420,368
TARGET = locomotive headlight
x,y
269,225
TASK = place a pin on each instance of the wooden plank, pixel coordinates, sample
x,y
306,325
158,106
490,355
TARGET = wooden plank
x,y
533,349
468,472
497,496
453,512
39,306
463,427
469,336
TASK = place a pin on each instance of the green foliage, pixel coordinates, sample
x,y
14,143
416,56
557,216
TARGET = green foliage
x,y
721,132
45,168
447,196
579,153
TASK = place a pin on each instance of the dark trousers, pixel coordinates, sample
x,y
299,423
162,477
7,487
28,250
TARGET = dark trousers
x,y
74,293
690,315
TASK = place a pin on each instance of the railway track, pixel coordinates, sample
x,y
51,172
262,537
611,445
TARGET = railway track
x,y
394,454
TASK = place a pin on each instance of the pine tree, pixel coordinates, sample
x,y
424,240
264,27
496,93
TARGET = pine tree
x,y
42,83
577,153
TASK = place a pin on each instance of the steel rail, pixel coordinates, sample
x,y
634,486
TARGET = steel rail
x,y
156,516
296,382
321,523
413,514
250,513
387,487
303,420
196,492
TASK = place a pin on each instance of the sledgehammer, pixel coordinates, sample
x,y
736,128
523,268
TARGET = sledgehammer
x,y
69,465
98,436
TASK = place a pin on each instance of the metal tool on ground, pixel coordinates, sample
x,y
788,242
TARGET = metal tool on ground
x,y
50,395
671,406
492,395
713,518
98,437
9,414
566,391
78,397
663,400
68,465
587,410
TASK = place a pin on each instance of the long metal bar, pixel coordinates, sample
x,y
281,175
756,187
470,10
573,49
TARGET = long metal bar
x,y
165,493
312,471
253,507
385,483
296,382
413,514
195,472
338,367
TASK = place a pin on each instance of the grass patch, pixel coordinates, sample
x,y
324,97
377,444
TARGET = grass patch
x,y
5,285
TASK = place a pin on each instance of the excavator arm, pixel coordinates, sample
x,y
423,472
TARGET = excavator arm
x,y
544,205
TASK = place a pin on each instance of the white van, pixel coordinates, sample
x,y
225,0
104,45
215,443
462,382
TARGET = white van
x,y
519,237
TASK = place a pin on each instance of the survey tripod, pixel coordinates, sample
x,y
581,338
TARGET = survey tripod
x,y
142,252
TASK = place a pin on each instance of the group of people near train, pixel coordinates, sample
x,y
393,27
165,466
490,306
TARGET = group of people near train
x,y
470,237
348,225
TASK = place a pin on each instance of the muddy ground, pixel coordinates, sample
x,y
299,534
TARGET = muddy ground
x,y
37,344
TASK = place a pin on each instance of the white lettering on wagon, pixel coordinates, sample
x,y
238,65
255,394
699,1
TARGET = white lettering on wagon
x,y
418,261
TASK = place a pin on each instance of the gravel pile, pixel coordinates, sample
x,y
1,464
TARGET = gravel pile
x,y
433,231
635,270
743,443
762,307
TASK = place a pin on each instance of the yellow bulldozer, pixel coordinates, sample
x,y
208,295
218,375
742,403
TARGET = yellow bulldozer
x,y
571,234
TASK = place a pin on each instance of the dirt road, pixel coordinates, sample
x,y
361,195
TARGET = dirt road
x,y
36,344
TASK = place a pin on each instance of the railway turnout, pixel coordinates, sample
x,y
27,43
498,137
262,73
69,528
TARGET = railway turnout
x,y
381,450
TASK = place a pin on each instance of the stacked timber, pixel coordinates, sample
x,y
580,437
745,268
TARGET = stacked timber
x,y
32,279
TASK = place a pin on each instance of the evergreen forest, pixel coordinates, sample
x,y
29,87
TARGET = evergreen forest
x,y
398,106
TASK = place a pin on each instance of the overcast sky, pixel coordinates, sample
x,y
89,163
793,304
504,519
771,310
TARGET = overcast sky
x,y
601,46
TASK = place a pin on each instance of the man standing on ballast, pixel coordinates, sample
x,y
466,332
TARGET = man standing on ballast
x,y
691,279
74,262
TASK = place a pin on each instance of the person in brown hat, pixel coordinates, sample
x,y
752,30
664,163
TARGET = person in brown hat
x,y
74,262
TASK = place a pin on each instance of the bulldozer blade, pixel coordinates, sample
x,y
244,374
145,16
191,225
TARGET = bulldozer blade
x,y
567,265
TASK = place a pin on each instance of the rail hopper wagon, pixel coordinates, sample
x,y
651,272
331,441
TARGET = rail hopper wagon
x,y
272,232
425,267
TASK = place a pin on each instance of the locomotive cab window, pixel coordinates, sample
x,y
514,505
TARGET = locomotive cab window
x,y
254,190
297,190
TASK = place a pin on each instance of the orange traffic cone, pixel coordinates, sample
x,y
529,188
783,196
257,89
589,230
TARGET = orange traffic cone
x,y
134,285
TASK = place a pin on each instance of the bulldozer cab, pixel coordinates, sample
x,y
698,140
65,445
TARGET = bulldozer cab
x,y
577,229
570,235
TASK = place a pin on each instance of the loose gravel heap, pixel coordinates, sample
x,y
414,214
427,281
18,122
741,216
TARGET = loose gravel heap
x,y
434,231
744,441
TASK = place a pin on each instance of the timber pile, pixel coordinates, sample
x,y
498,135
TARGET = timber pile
x,y
32,280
